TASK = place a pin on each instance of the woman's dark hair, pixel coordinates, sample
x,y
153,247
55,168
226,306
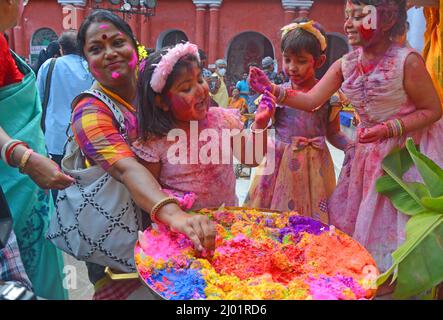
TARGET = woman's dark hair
x,y
399,28
152,120
102,15
297,40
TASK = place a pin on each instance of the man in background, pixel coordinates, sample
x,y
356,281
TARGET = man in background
x,y
70,77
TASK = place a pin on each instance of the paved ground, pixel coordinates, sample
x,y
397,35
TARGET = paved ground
x,y
84,289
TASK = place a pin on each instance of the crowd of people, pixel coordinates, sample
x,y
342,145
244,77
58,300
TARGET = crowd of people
x,y
123,125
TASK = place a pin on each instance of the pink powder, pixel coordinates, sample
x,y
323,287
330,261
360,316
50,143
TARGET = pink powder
x,y
104,26
115,75
163,245
133,63
94,71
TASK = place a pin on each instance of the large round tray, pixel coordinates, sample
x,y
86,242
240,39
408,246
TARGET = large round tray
x,y
260,254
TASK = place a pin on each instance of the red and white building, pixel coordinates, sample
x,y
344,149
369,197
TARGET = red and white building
x,y
241,31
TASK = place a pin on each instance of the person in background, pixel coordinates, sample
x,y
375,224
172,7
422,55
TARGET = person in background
x,y
217,85
243,86
268,67
206,73
69,78
239,103
432,52
51,51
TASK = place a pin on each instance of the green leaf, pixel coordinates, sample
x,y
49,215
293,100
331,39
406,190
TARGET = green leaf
x,y
401,199
395,165
417,229
422,269
435,204
398,161
431,173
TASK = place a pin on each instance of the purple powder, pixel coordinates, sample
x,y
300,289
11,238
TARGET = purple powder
x,y
298,225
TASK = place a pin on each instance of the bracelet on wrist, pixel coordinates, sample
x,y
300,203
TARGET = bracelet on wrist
x,y
8,149
24,160
10,153
157,207
259,131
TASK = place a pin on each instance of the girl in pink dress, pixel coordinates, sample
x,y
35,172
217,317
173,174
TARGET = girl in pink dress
x,y
304,177
185,144
395,98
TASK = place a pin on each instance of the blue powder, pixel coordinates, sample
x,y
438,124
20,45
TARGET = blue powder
x,y
184,284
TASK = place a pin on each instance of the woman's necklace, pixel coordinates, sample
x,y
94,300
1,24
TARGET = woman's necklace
x,y
117,98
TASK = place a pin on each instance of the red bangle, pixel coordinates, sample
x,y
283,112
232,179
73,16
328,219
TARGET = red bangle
x,y
10,151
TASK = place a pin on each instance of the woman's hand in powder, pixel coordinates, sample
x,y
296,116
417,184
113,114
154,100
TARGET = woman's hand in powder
x,y
199,228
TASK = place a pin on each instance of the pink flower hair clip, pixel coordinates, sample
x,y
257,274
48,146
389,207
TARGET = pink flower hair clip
x,y
167,63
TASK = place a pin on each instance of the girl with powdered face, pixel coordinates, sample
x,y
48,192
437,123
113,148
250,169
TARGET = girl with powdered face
x,y
395,98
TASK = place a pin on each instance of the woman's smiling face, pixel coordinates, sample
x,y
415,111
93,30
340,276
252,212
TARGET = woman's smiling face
x,y
110,53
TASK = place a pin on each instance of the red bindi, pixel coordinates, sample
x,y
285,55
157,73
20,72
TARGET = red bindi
x,y
104,37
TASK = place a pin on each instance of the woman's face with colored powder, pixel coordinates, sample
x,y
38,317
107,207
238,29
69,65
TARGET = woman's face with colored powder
x,y
299,67
359,27
110,53
189,95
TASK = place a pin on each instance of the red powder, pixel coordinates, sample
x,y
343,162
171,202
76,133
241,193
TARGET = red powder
x,y
287,265
366,34
245,259
336,254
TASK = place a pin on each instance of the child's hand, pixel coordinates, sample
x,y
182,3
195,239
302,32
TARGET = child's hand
x,y
374,134
265,111
199,228
259,81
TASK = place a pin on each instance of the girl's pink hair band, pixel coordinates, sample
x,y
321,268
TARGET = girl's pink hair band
x,y
167,62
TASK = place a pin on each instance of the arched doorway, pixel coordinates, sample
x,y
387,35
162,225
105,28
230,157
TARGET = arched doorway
x,y
245,48
170,38
39,41
337,47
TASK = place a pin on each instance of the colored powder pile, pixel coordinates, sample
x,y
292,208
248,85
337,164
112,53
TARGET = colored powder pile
x,y
298,224
257,256
182,284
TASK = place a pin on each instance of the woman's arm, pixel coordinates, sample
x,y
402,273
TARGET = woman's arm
x,y
98,137
146,192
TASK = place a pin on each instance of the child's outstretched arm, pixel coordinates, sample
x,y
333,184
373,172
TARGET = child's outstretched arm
x,y
251,149
421,91
308,101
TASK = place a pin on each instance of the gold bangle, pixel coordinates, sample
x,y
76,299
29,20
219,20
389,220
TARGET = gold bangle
x,y
24,160
156,208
